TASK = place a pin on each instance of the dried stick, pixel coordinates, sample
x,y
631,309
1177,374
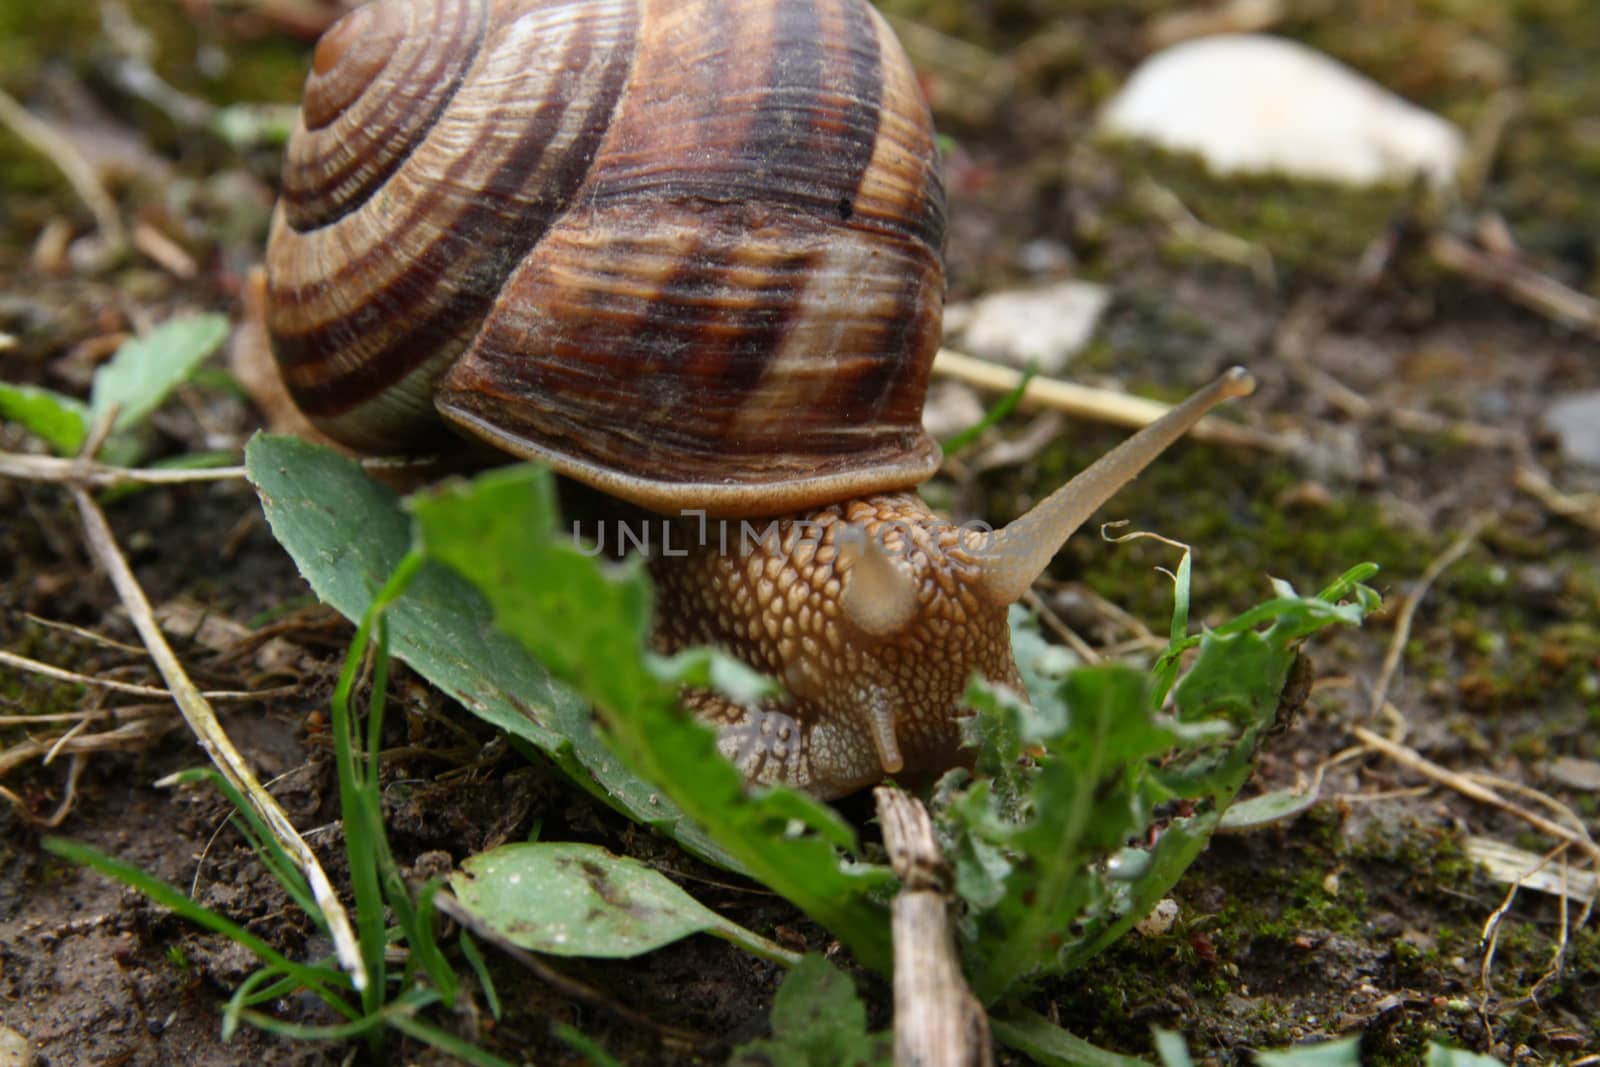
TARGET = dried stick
x,y
1101,405
1583,508
937,1020
1408,611
83,472
33,666
1534,291
208,732
39,135
1056,625
138,732
1468,788
83,632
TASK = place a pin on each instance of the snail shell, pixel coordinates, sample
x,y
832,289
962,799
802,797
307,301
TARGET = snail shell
x,y
688,251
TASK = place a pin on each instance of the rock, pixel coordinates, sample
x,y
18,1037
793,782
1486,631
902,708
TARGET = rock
x,y
1047,326
1160,919
15,1050
1576,773
1249,103
951,407
1040,256
1575,420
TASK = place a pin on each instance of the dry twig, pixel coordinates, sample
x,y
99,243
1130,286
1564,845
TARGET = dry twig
x,y
1054,623
135,734
1101,405
1408,611
213,739
83,632
1517,280
83,472
937,1020
38,134
1464,785
1582,508
33,666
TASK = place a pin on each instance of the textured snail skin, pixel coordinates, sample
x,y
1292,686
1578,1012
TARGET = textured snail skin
x,y
687,251
777,607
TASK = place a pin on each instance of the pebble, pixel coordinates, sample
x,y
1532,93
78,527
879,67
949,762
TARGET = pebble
x,y
951,407
1251,103
1576,773
1575,420
1160,919
1046,325
15,1050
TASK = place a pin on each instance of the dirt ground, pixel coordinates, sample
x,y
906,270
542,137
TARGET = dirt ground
x,y
1408,399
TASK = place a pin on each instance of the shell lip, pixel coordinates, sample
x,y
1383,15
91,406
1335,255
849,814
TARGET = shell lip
x,y
750,493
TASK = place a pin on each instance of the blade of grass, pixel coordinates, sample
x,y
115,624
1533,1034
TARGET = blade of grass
x,y
325,982
480,967
400,1013
449,1043
202,722
359,801
1001,408
261,841
1044,1042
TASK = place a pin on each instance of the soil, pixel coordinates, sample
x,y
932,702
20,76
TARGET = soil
x,y
1363,917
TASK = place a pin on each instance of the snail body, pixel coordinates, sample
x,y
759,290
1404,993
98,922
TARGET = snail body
x,y
689,253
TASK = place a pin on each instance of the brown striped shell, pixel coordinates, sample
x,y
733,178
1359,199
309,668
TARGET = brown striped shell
x,y
688,251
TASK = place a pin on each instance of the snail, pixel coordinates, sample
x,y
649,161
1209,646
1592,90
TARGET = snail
x,y
689,253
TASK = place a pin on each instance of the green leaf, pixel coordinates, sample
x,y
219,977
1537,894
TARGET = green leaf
x,y
347,534
1046,1043
958,441
1445,1056
1345,1053
1041,843
588,623
1267,809
1084,799
1172,1048
60,421
817,1021
144,370
568,899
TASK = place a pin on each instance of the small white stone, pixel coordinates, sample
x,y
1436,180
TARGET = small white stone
x,y
1575,419
15,1049
1249,103
951,408
1574,773
1047,326
1160,919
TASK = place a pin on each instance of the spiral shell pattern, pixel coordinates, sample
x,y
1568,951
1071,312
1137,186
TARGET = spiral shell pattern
x,y
686,250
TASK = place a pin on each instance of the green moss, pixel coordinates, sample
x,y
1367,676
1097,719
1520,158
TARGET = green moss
x,y
268,68
32,35
1309,227
1226,506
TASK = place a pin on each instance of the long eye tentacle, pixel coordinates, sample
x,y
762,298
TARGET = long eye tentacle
x,y
1019,553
